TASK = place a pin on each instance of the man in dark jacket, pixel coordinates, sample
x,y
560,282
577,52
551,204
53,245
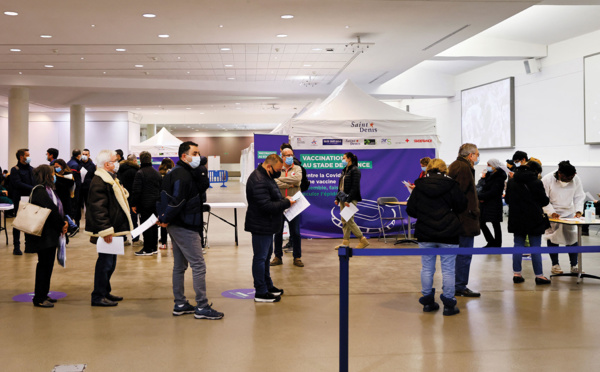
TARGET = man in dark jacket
x,y
75,165
264,218
463,172
107,215
180,211
126,173
21,184
145,193
88,165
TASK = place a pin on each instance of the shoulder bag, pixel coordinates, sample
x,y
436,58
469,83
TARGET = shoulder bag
x,y
31,218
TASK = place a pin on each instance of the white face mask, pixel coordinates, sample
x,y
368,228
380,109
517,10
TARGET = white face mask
x,y
116,167
195,162
84,158
517,164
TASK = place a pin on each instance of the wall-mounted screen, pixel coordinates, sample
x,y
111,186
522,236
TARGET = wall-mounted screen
x,y
591,90
488,115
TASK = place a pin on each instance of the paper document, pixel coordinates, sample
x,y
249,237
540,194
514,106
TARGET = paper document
x,y
296,208
348,212
145,226
116,247
409,186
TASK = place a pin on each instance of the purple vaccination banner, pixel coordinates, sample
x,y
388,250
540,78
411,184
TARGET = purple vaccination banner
x,y
267,144
382,173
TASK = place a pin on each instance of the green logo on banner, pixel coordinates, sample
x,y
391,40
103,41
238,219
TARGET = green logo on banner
x,y
328,161
264,154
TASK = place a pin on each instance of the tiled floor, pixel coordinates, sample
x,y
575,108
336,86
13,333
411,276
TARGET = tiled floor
x,y
510,328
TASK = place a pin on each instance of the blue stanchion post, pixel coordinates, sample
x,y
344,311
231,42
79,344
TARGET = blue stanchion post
x,y
344,254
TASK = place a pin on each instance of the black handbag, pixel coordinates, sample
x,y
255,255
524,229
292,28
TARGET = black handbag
x,y
545,221
342,197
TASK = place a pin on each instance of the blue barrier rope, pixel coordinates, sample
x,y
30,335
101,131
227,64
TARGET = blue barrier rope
x,y
345,253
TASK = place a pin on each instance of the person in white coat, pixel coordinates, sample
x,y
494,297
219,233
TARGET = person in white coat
x,y
565,191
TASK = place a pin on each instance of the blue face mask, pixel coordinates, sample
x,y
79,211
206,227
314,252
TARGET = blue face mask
x,y
490,169
28,159
289,160
517,164
423,169
476,161
195,162
58,170
345,163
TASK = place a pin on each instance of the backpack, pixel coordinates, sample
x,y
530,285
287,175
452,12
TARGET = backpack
x,y
305,183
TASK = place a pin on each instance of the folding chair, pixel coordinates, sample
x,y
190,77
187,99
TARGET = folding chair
x,y
386,201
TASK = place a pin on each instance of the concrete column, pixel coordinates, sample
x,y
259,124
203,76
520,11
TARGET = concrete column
x,y
18,122
150,130
77,127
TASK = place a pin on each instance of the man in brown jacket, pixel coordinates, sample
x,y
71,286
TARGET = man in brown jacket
x,y
463,172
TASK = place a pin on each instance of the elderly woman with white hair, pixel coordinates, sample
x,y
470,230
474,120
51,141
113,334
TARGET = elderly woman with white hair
x,y
489,191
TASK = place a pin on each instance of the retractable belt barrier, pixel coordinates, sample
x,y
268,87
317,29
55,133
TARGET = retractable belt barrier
x,y
219,176
345,253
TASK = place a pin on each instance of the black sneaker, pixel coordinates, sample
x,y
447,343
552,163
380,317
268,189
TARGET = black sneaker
x,y
143,253
275,291
183,309
72,232
207,312
467,293
266,297
17,251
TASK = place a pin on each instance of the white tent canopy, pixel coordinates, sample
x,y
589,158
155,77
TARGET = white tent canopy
x,y
351,113
162,144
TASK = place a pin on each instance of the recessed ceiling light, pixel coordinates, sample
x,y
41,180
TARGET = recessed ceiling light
x,y
139,65
188,72
228,65
230,78
121,50
237,103
347,26
149,15
48,66
178,57
93,25
104,72
46,36
11,13
225,49
287,16
220,26
164,36
307,65
15,50
188,108
82,58
316,49
282,35
20,73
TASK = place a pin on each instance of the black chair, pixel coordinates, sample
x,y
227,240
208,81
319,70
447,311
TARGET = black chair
x,y
382,203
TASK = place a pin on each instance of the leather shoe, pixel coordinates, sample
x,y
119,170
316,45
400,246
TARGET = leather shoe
x,y
518,279
542,280
50,299
114,298
104,302
467,293
46,303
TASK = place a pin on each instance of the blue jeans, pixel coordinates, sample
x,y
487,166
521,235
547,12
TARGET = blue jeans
x,y
262,245
536,258
463,263
294,238
428,269
187,250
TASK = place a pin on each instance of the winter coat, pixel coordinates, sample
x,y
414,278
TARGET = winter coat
x,y
490,193
146,189
351,177
436,202
53,226
21,181
525,196
462,171
265,204
64,186
203,181
107,210
126,174
180,198
90,167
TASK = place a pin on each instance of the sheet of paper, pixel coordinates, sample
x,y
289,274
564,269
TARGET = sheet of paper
x,y
117,246
297,208
145,226
348,212
408,186
574,219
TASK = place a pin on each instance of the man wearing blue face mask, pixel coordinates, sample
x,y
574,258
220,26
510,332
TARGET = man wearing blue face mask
x,y
180,211
21,184
463,172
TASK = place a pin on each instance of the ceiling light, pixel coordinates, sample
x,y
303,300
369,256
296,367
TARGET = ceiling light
x,y
93,25
307,65
220,26
149,15
178,57
15,50
282,35
225,49
139,65
316,49
228,65
188,108
11,13
82,58
45,36
20,73
138,108
121,50
347,26
48,66
237,103
287,16
188,72
104,72
230,78
164,36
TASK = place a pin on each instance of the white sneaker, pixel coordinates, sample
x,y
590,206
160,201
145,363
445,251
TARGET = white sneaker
x,y
557,270
575,270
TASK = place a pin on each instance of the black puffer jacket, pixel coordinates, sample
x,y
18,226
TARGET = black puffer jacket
x,y
351,177
63,190
90,167
490,193
436,202
146,189
126,174
21,181
53,226
265,204
525,196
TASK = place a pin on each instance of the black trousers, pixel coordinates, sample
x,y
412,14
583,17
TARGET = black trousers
x,y
134,220
43,273
150,235
554,256
492,240
105,267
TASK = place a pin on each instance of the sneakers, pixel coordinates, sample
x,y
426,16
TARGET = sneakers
x,y
163,246
183,309
266,297
143,253
73,232
575,270
288,245
556,269
275,291
207,312
276,261
298,262
288,250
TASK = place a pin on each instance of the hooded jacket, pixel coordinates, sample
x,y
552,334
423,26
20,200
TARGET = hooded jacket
x,y
265,204
525,196
462,172
436,202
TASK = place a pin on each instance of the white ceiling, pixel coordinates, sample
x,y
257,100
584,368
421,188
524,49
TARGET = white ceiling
x,y
190,78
